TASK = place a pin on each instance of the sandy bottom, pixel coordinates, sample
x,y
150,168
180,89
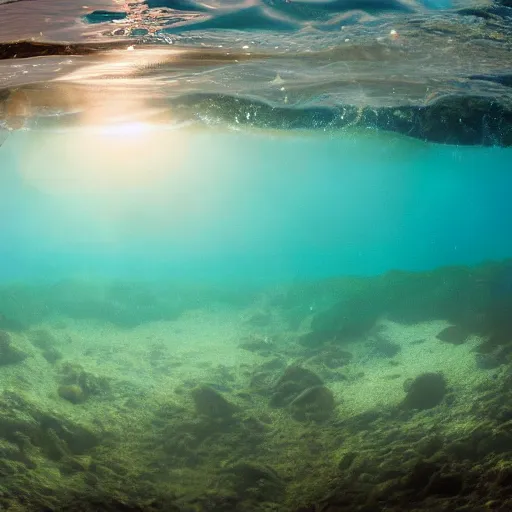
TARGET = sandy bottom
x,y
203,347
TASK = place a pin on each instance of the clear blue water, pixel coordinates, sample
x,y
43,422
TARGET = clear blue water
x,y
247,204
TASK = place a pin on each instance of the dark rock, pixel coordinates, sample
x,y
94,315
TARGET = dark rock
x,y
291,384
453,334
9,353
313,404
425,391
349,318
212,404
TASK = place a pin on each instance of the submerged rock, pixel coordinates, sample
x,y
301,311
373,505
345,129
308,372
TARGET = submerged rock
x,y
351,317
291,384
9,353
453,334
304,394
77,385
72,393
212,404
316,404
425,391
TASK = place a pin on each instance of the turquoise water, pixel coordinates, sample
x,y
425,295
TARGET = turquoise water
x,y
262,206
238,272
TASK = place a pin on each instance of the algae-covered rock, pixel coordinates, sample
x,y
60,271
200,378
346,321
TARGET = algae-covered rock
x,y
212,404
303,392
351,317
77,384
313,404
425,391
72,393
29,427
291,384
9,353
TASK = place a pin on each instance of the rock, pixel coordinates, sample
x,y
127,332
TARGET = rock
x,y
77,385
453,334
26,425
313,404
261,382
425,391
291,384
74,374
9,354
212,404
72,393
303,392
350,318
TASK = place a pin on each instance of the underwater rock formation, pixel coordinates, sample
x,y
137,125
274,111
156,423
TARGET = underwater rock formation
x,y
453,334
77,384
9,353
303,393
45,341
425,391
212,404
313,404
291,384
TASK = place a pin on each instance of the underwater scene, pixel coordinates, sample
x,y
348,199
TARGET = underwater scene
x,y
256,256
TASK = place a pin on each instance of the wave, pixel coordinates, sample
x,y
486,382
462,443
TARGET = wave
x,y
396,65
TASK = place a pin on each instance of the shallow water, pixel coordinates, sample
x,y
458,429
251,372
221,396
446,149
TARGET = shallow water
x,y
255,256
267,206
